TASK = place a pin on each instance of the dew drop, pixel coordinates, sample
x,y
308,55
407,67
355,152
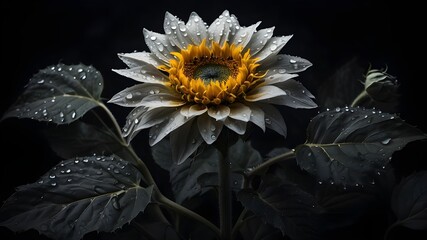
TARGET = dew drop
x,y
116,171
40,81
53,184
337,109
213,137
193,141
309,154
386,141
69,180
52,176
182,28
292,61
61,114
196,19
153,38
282,70
68,171
76,161
80,70
85,160
235,182
213,128
73,114
320,182
268,120
129,96
273,47
83,77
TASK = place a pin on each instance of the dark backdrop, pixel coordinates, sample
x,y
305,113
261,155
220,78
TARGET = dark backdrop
x,y
36,34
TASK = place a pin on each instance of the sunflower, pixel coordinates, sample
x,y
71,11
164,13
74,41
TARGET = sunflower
x,y
198,79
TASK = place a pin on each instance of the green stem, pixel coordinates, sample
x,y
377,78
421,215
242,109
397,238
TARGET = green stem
x,y
224,189
265,165
362,96
186,212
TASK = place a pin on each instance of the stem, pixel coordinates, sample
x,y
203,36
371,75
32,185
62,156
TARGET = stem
x,y
363,95
186,212
224,190
265,165
238,223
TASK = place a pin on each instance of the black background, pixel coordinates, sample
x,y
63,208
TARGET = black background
x,y
328,33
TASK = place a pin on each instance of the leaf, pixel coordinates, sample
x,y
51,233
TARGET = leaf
x,y
284,206
83,139
76,197
243,156
183,177
59,94
349,146
409,201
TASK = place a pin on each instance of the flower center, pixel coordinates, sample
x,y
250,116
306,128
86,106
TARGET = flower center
x,y
212,75
211,72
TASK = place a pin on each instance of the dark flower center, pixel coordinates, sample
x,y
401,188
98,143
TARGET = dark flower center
x,y
212,72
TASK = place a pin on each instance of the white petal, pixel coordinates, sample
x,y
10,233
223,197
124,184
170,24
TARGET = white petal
x,y
297,96
237,126
136,59
272,48
220,29
240,112
132,96
209,128
273,119
257,116
177,31
146,73
162,100
158,132
274,78
197,30
263,92
283,63
145,119
258,40
193,110
159,45
219,112
184,141
244,35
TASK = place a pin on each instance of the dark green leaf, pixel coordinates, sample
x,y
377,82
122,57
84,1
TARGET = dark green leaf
x,y
351,145
409,201
183,177
284,206
59,94
83,139
243,156
76,197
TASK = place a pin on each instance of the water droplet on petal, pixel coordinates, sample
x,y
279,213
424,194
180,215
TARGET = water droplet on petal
x,y
268,120
337,109
40,81
129,96
292,61
52,176
153,38
73,114
68,171
53,184
282,70
273,47
213,128
213,137
116,171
